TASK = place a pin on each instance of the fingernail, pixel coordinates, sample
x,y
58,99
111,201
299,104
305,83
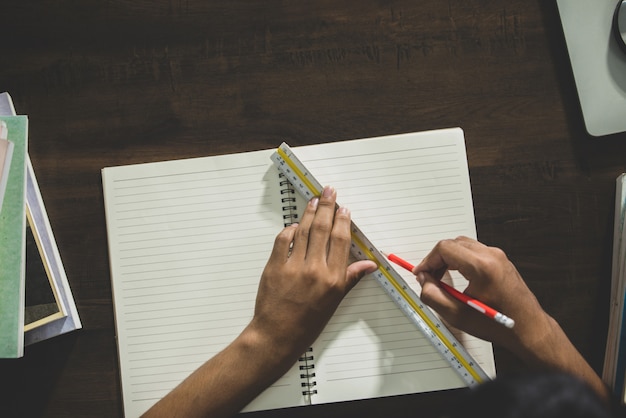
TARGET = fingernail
x,y
371,269
328,191
314,202
343,210
420,278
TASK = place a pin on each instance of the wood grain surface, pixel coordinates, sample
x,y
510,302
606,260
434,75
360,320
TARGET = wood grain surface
x,y
117,82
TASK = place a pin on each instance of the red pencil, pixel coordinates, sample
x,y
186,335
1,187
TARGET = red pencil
x,y
474,303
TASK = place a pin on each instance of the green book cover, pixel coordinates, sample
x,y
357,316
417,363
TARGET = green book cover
x,y
13,243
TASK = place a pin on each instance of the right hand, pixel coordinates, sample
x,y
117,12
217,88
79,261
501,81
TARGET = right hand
x,y
536,337
492,279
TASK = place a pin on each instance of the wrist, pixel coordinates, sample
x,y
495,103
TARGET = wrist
x,y
533,337
536,346
266,350
547,347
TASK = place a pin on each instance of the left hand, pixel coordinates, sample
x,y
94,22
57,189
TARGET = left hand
x,y
307,276
304,281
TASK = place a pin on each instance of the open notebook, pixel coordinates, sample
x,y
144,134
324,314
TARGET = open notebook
x,y
188,241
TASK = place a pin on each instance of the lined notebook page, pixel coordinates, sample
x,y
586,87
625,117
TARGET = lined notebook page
x,y
188,241
406,192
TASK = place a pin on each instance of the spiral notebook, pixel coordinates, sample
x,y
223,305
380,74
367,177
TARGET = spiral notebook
x,y
188,241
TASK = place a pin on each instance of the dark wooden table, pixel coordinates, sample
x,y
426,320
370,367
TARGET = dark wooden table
x,y
117,82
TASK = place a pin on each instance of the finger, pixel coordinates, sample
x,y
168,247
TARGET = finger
x,y
357,270
339,245
434,263
451,254
458,314
282,244
436,297
301,238
321,228
452,310
471,243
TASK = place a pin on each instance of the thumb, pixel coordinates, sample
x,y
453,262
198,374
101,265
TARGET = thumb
x,y
437,298
357,270
458,314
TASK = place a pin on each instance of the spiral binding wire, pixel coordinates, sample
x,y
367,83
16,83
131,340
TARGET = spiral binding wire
x,y
288,199
290,216
307,373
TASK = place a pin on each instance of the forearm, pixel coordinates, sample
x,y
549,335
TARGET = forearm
x,y
226,383
549,348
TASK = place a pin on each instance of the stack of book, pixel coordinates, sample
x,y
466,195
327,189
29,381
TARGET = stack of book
x,y
36,302
614,372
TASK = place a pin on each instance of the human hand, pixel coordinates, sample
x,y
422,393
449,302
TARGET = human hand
x,y
304,281
306,277
492,279
536,338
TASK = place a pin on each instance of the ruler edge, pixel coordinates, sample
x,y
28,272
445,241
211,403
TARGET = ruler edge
x,y
452,344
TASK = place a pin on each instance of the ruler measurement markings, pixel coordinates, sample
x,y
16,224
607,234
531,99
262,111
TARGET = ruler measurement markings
x,y
304,182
